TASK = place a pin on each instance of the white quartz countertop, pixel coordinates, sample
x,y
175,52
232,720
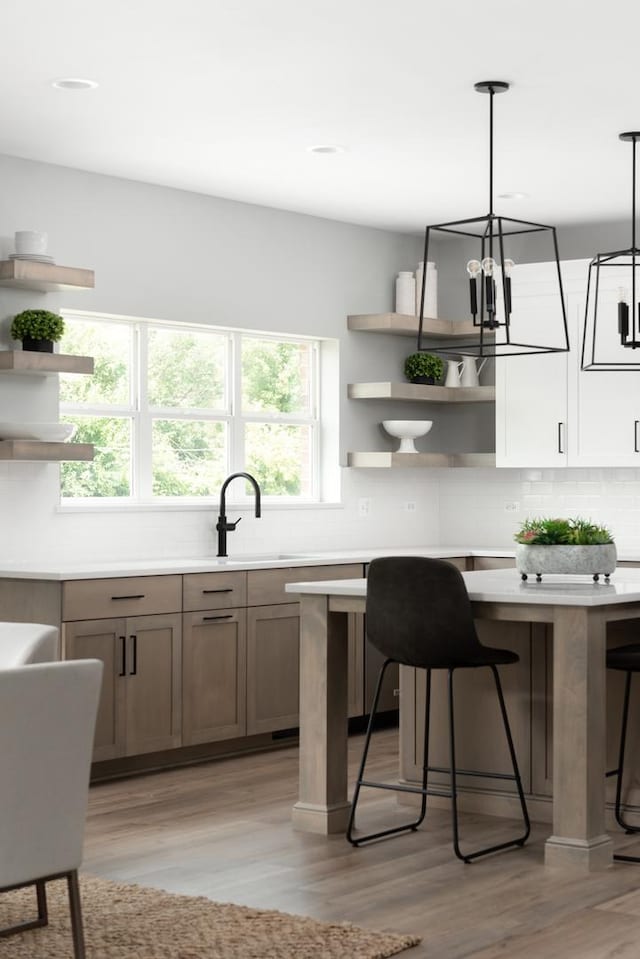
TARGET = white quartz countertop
x,y
24,569
506,586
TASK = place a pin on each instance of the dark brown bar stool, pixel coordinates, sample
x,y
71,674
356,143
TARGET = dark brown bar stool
x,y
419,614
627,659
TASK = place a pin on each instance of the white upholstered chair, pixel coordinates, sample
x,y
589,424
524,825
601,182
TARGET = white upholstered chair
x,y
22,643
47,720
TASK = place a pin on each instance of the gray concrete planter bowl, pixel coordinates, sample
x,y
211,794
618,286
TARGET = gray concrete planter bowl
x,y
593,561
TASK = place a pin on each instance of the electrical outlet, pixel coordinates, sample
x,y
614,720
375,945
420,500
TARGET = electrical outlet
x,y
512,507
364,506
410,506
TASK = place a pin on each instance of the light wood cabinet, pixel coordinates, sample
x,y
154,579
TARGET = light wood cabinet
x,y
273,646
140,703
214,675
273,666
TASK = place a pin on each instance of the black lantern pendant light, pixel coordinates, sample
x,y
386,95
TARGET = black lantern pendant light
x,y
495,330
613,287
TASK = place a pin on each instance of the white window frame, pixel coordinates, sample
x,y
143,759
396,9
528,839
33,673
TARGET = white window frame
x,y
322,478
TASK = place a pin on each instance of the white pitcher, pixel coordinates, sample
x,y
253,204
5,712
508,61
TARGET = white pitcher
x,y
453,373
470,372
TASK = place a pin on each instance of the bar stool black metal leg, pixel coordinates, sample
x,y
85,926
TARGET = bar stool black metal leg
x,y
452,768
361,781
520,841
619,772
425,751
514,760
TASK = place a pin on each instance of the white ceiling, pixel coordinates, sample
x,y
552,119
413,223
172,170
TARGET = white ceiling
x,y
223,97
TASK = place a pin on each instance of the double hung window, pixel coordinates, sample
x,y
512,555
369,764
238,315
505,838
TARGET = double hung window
x,y
173,409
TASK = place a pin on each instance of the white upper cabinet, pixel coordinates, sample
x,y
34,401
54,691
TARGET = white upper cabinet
x,y
550,413
531,391
603,406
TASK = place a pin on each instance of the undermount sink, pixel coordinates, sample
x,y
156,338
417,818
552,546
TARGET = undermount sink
x,y
245,558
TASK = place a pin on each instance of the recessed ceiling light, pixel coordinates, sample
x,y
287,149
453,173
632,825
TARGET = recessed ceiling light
x,y
74,83
326,148
513,196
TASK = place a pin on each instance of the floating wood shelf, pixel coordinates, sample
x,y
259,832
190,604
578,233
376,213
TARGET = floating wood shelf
x,y
44,277
37,450
43,364
419,392
403,325
390,460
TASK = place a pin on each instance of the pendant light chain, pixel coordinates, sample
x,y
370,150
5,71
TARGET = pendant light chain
x,y
491,96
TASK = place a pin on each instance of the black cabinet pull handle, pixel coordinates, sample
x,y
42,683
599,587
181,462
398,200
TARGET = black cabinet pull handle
x,y
123,656
226,590
560,442
635,436
135,596
206,619
134,656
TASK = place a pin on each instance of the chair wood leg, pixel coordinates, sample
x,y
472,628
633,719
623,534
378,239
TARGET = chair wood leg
x,y
75,909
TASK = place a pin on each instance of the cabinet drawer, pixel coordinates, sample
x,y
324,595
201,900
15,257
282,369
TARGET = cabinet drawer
x,y
265,587
130,596
214,590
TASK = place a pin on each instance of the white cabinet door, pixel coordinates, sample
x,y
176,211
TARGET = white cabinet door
x,y
531,391
604,407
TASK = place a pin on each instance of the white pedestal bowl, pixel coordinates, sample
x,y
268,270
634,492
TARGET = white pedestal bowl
x,y
407,431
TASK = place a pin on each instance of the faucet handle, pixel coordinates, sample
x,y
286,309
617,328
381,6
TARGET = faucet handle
x,y
232,526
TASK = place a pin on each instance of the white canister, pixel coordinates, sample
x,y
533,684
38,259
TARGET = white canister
x,y
431,291
405,293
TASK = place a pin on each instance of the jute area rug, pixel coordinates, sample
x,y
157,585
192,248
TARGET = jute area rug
x,y
133,922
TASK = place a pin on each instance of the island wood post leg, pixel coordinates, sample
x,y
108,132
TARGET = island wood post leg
x,y
322,805
579,740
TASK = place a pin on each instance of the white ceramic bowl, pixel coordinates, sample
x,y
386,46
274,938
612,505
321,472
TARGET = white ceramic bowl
x,y
407,431
49,432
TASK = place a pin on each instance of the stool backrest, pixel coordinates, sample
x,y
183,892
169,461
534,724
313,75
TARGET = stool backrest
x,y
419,613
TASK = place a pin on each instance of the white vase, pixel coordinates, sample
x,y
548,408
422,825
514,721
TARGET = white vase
x,y
577,560
431,291
405,293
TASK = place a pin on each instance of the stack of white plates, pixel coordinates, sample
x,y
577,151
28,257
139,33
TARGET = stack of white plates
x,y
35,257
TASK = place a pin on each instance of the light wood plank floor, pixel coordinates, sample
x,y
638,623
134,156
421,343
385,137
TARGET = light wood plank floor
x,y
223,830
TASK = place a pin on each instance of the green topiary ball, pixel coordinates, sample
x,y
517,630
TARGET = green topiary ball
x,y
37,325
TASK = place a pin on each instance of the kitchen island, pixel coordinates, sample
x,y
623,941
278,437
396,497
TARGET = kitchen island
x,y
578,611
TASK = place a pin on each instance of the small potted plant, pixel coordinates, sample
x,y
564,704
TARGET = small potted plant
x,y
423,368
38,329
564,546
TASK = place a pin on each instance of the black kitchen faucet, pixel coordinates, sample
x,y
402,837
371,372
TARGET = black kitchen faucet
x,y
222,525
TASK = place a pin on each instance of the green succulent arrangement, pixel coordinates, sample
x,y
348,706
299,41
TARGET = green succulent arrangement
x,y
37,325
562,532
423,364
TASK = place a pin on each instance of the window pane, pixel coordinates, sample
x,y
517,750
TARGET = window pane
x,y
110,472
189,457
111,346
186,370
275,376
279,456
